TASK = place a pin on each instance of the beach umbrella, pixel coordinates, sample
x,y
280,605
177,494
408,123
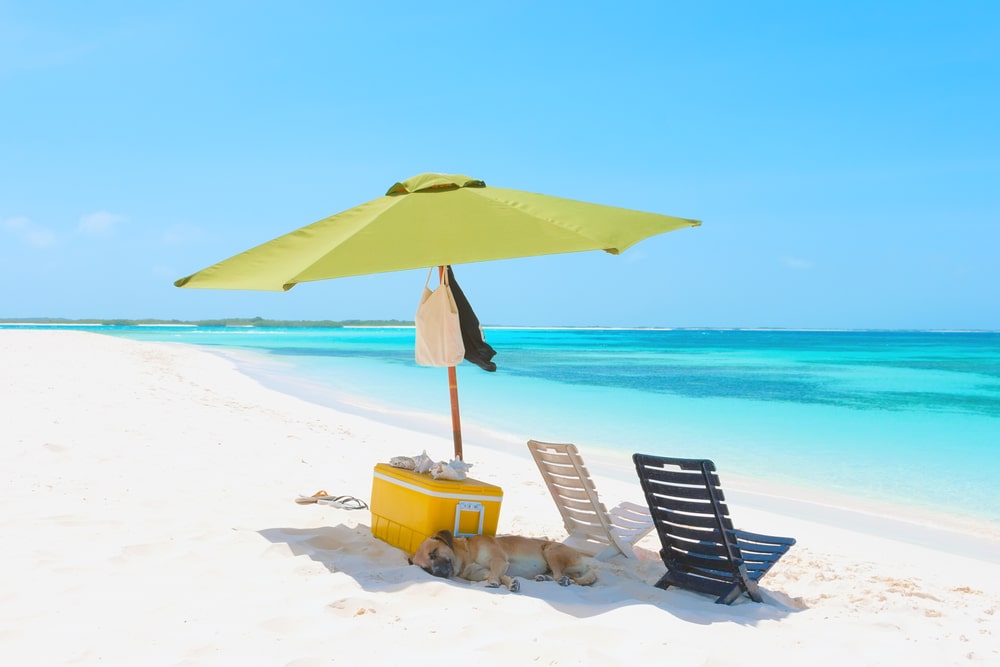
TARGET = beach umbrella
x,y
433,220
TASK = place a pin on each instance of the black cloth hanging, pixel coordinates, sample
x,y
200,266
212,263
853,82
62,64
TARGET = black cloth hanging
x,y
477,350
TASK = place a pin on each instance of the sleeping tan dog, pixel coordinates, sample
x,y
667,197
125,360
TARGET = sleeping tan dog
x,y
499,560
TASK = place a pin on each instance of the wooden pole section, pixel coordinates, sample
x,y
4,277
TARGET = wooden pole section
x,y
456,425
456,421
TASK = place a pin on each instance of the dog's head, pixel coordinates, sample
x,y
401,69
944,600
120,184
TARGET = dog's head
x,y
436,555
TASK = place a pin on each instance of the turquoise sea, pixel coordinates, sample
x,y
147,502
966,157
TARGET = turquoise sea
x,y
904,417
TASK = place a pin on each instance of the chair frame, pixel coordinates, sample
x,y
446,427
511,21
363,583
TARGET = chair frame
x,y
702,550
592,529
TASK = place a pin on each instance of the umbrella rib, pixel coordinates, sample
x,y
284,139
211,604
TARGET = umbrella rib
x,y
578,230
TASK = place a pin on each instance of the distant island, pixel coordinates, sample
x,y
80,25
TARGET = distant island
x,y
224,322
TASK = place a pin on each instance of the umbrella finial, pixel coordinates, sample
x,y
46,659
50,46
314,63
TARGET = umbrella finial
x,y
431,182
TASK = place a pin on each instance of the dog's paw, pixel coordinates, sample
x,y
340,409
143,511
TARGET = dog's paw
x,y
492,584
542,577
515,585
565,581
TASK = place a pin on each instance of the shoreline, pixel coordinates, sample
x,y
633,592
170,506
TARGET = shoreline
x,y
949,533
962,534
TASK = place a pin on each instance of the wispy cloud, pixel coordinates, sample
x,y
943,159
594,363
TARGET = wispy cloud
x,y
28,231
635,256
25,47
161,272
797,263
181,233
100,223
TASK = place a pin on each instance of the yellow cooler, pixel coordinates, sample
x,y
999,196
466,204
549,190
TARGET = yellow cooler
x,y
408,507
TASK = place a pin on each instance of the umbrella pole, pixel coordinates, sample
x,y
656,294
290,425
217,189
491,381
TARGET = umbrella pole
x,y
456,424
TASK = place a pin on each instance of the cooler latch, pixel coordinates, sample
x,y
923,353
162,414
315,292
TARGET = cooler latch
x,y
467,515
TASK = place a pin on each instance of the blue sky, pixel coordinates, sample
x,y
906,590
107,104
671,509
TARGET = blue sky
x,y
843,157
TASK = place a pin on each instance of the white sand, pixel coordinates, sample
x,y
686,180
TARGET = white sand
x,y
148,519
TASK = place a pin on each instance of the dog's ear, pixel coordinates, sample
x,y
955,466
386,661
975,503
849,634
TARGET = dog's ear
x,y
446,537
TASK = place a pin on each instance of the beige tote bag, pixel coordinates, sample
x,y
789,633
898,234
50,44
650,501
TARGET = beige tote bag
x,y
439,333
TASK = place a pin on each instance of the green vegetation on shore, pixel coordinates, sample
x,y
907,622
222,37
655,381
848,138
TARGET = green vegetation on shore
x,y
223,322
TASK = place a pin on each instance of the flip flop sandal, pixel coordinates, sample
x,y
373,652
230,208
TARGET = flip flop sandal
x,y
308,500
344,502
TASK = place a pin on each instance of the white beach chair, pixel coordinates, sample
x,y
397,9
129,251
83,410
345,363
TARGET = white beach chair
x,y
592,529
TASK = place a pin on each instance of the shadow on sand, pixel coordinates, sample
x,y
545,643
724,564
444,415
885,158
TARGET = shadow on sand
x,y
379,567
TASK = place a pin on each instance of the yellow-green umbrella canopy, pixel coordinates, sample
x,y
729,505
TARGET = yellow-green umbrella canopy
x,y
433,220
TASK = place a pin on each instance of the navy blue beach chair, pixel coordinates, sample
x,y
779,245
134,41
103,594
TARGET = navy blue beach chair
x,y
702,550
